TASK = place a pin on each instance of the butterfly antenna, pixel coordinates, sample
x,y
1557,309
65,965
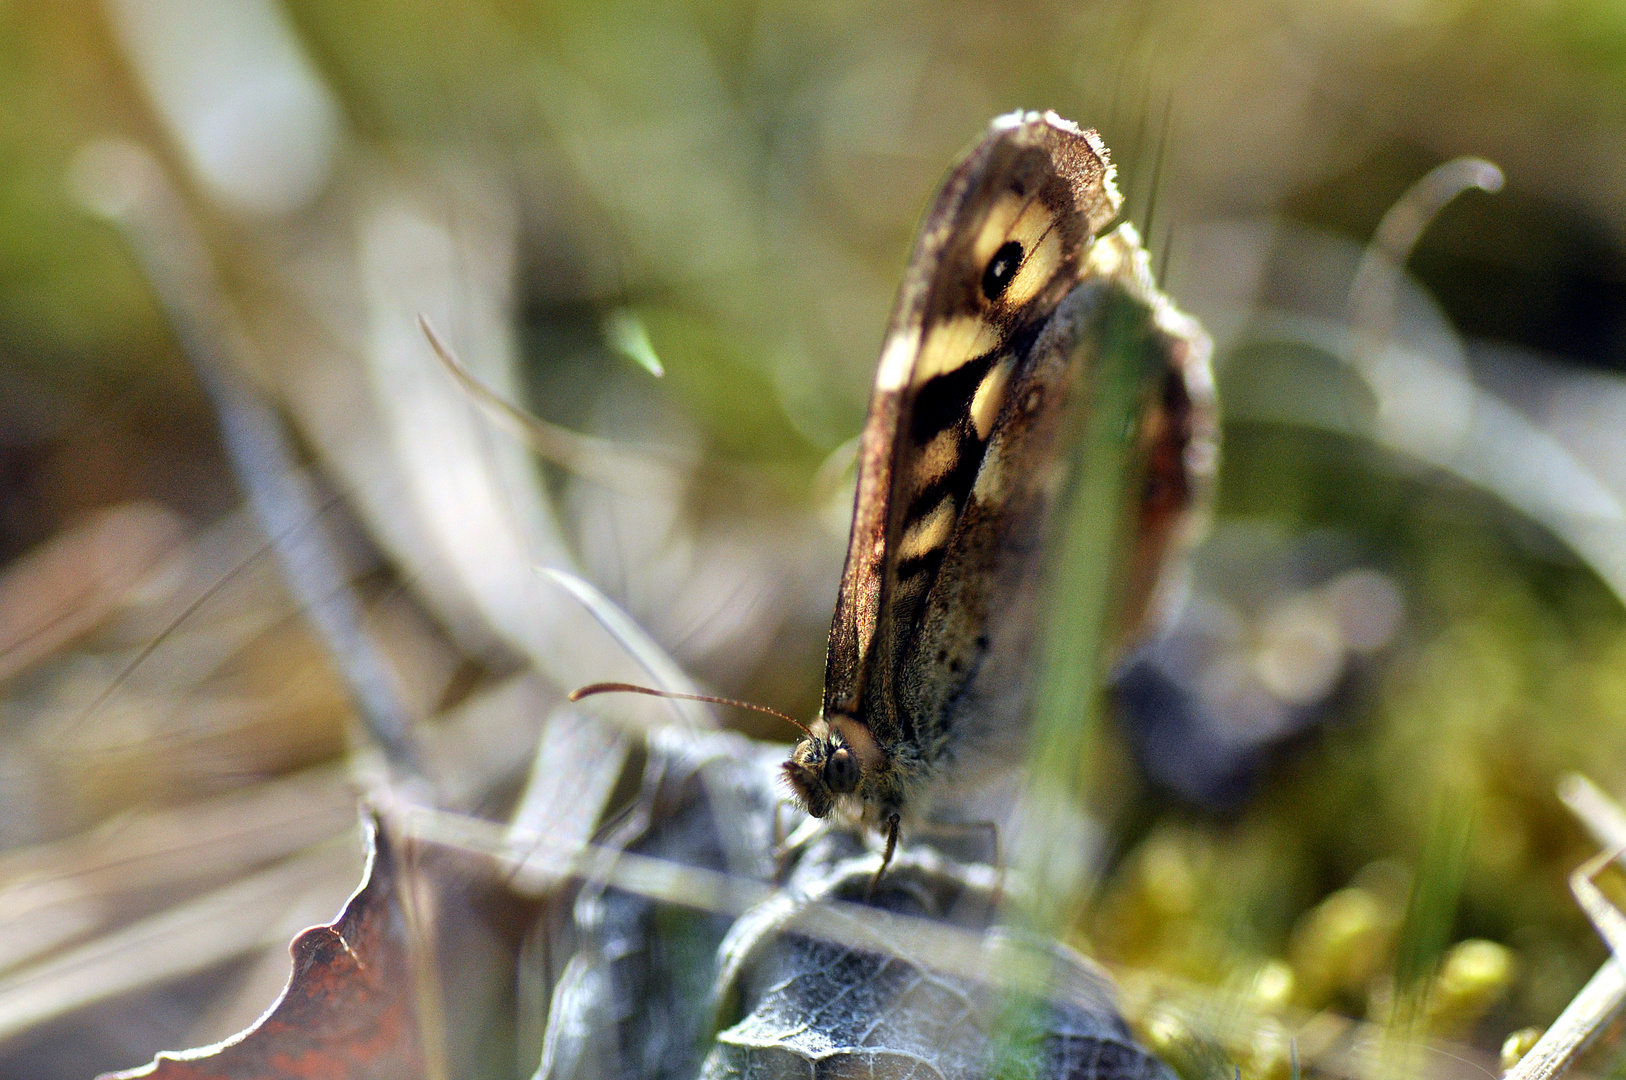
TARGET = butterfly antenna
x,y
630,688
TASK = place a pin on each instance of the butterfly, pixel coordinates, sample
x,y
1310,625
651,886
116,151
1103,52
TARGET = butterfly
x,y
961,454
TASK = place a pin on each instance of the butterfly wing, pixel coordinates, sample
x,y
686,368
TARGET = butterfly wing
x,y
1004,242
964,673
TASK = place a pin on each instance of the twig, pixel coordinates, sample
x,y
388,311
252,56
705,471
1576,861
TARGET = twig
x,y
1605,993
1599,1000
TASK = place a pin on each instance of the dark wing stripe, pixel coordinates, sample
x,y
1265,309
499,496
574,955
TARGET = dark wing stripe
x,y
926,564
943,400
956,482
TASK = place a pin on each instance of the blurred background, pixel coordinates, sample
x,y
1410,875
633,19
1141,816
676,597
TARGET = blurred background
x,y
679,228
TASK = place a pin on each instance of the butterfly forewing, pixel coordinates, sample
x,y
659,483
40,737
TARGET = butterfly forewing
x,y
1003,243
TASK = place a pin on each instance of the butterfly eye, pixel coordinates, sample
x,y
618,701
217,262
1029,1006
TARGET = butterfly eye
x,y
841,772
1001,269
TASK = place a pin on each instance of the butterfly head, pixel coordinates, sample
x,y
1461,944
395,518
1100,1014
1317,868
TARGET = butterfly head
x,y
822,768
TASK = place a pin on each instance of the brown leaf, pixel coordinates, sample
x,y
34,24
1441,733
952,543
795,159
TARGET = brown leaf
x,y
348,1012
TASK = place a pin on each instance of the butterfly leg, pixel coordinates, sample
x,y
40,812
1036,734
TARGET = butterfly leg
x,y
886,858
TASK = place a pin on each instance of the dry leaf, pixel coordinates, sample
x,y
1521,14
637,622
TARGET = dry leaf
x,y
348,1012
827,1010
879,1004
